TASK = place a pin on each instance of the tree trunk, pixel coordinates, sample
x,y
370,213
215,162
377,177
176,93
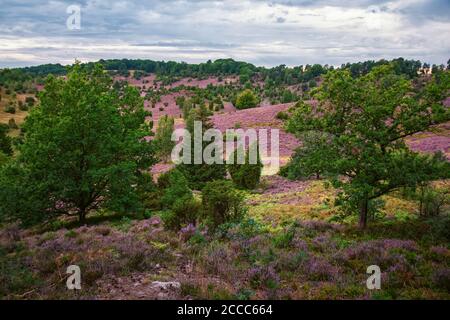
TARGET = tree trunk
x,y
363,211
421,202
82,217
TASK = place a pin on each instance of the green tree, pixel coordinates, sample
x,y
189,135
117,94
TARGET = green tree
x,y
246,175
367,119
182,208
177,189
246,99
5,141
312,158
3,158
163,137
222,203
198,174
83,150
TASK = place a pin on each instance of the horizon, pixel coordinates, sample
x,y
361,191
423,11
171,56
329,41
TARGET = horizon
x,y
264,33
205,61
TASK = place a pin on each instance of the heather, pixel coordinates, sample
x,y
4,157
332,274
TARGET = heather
x,y
251,260
161,231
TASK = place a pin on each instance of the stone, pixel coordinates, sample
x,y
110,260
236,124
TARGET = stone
x,y
171,285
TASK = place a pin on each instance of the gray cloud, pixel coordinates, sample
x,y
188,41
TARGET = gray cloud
x,y
261,32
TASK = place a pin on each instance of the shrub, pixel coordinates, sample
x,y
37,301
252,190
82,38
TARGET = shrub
x,y
3,158
12,124
163,138
10,109
246,99
184,212
177,189
5,142
222,203
246,175
23,106
441,278
30,101
282,115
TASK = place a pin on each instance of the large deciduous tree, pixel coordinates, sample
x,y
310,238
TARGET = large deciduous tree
x,y
84,149
366,121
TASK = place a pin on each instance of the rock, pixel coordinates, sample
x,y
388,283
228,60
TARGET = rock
x,y
171,285
155,221
161,296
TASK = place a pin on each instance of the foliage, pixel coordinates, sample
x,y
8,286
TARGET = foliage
x,y
367,119
248,174
198,174
5,142
221,203
431,199
83,150
176,190
10,109
246,99
163,142
311,158
12,124
184,212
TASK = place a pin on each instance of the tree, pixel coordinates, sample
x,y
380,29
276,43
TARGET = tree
x,y
222,203
178,199
3,158
5,141
311,158
163,137
248,174
367,119
198,174
84,149
246,99
177,189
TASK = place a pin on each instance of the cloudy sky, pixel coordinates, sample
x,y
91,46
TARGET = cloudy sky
x,y
262,32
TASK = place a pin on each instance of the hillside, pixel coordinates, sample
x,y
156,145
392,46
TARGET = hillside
x,y
140,229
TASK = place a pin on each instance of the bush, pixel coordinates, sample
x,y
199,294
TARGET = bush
x,y
246,175
3,158
5,142
23,106
10,109
222,203
246,99
282,115
184,212
176,189
12,124
29,101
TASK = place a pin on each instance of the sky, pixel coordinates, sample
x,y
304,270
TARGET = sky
x,y
266,33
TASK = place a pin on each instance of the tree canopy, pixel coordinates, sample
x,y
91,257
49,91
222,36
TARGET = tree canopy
x,y
84,149
366,120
